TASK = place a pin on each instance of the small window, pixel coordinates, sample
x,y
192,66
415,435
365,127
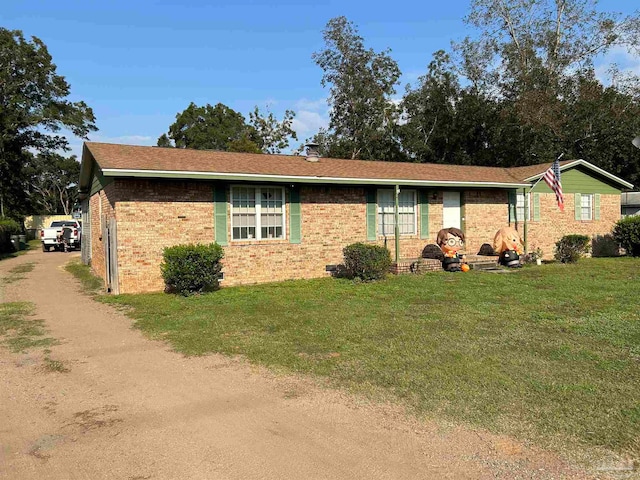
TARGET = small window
x,y
406,212
586,206
523,200
257,213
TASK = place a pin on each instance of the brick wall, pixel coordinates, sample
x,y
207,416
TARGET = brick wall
x,y
152,215
554,224
155,215
332,217
102,206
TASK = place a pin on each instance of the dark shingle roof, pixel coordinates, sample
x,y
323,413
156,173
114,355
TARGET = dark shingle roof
x,y
127,157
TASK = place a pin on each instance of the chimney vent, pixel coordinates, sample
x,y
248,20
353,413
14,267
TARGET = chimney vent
x,y
312,152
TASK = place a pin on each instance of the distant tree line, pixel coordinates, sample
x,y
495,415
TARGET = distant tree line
x,y
520,92
34,177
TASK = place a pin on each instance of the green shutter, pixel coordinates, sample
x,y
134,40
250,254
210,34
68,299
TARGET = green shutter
x,y
295,224
596,206
512,206
536,207
372,210
424,213
220,214
577,206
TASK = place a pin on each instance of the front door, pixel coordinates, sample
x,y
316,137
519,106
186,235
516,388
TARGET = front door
x,y
451,210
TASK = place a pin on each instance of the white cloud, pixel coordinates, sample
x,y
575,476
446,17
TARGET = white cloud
x,y
127,139
312,105
625,61
308,123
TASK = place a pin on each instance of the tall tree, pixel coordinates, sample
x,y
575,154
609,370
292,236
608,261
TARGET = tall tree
x,y
211,128
33,109
363,117
274,135
52,183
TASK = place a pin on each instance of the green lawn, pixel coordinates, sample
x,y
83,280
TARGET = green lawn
x,y
549,353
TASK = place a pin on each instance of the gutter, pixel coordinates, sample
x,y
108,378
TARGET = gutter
x,y
178,174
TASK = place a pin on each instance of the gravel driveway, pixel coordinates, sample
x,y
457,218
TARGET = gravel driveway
x,y
129,408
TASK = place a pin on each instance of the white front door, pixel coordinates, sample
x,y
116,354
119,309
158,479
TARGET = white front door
x,y
451,209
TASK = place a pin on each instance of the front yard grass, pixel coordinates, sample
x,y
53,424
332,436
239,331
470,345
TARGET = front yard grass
x,y
548,353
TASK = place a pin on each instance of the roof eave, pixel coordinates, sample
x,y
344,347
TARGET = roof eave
x,y
86,170
590,166
251,177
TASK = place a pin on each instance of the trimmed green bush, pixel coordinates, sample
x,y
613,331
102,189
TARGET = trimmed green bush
x,y
604,246
366,262
189,269
570,248
8,227
627,233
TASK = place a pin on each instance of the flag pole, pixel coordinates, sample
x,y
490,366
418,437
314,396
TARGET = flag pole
x,y
542,175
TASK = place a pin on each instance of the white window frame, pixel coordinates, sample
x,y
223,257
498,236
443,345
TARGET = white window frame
x,y
590,206
258,192
523,203
379,211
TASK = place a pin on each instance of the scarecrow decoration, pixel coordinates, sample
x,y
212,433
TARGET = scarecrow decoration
x,y
451,241
508,245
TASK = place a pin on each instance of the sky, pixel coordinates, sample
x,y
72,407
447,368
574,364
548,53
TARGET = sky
x,y
138,63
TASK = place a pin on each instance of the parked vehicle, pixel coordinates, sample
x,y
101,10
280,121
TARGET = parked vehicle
x,y
62,235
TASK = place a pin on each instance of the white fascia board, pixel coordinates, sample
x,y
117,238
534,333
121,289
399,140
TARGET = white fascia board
x,y
117,172
591,166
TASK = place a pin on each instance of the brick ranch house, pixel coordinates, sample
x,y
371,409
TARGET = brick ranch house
x,y
282,217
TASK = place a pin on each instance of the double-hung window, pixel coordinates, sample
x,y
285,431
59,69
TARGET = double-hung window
x,y
257,213
523,206
406,210
586,206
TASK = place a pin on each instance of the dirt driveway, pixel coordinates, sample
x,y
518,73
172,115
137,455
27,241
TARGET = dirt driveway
x,y
129,408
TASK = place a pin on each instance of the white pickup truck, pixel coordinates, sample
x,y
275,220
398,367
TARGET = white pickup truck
x,y
52,237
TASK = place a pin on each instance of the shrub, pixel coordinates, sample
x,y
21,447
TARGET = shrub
x,y
189,269
627,233
570,248
8,227
604,246
366,262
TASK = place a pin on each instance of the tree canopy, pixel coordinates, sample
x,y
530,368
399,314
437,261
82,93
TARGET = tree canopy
x,y
525,89
211,128
363,118
222,128
33,109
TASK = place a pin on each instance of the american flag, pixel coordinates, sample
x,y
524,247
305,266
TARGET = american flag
x,y
552,177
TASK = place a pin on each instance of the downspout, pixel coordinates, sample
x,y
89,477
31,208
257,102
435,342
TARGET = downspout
x,y
397,223
526,216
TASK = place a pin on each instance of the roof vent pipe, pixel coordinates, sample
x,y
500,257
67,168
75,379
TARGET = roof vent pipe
x,y
312,152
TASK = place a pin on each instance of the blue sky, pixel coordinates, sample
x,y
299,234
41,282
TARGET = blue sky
x,y
138,63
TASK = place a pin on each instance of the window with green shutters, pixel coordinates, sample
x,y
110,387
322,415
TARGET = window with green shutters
x,y
587,206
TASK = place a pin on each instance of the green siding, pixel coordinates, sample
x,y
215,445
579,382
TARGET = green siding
x,y
536,207
579,181
99,181
424,213
295,221
372,211
220,214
